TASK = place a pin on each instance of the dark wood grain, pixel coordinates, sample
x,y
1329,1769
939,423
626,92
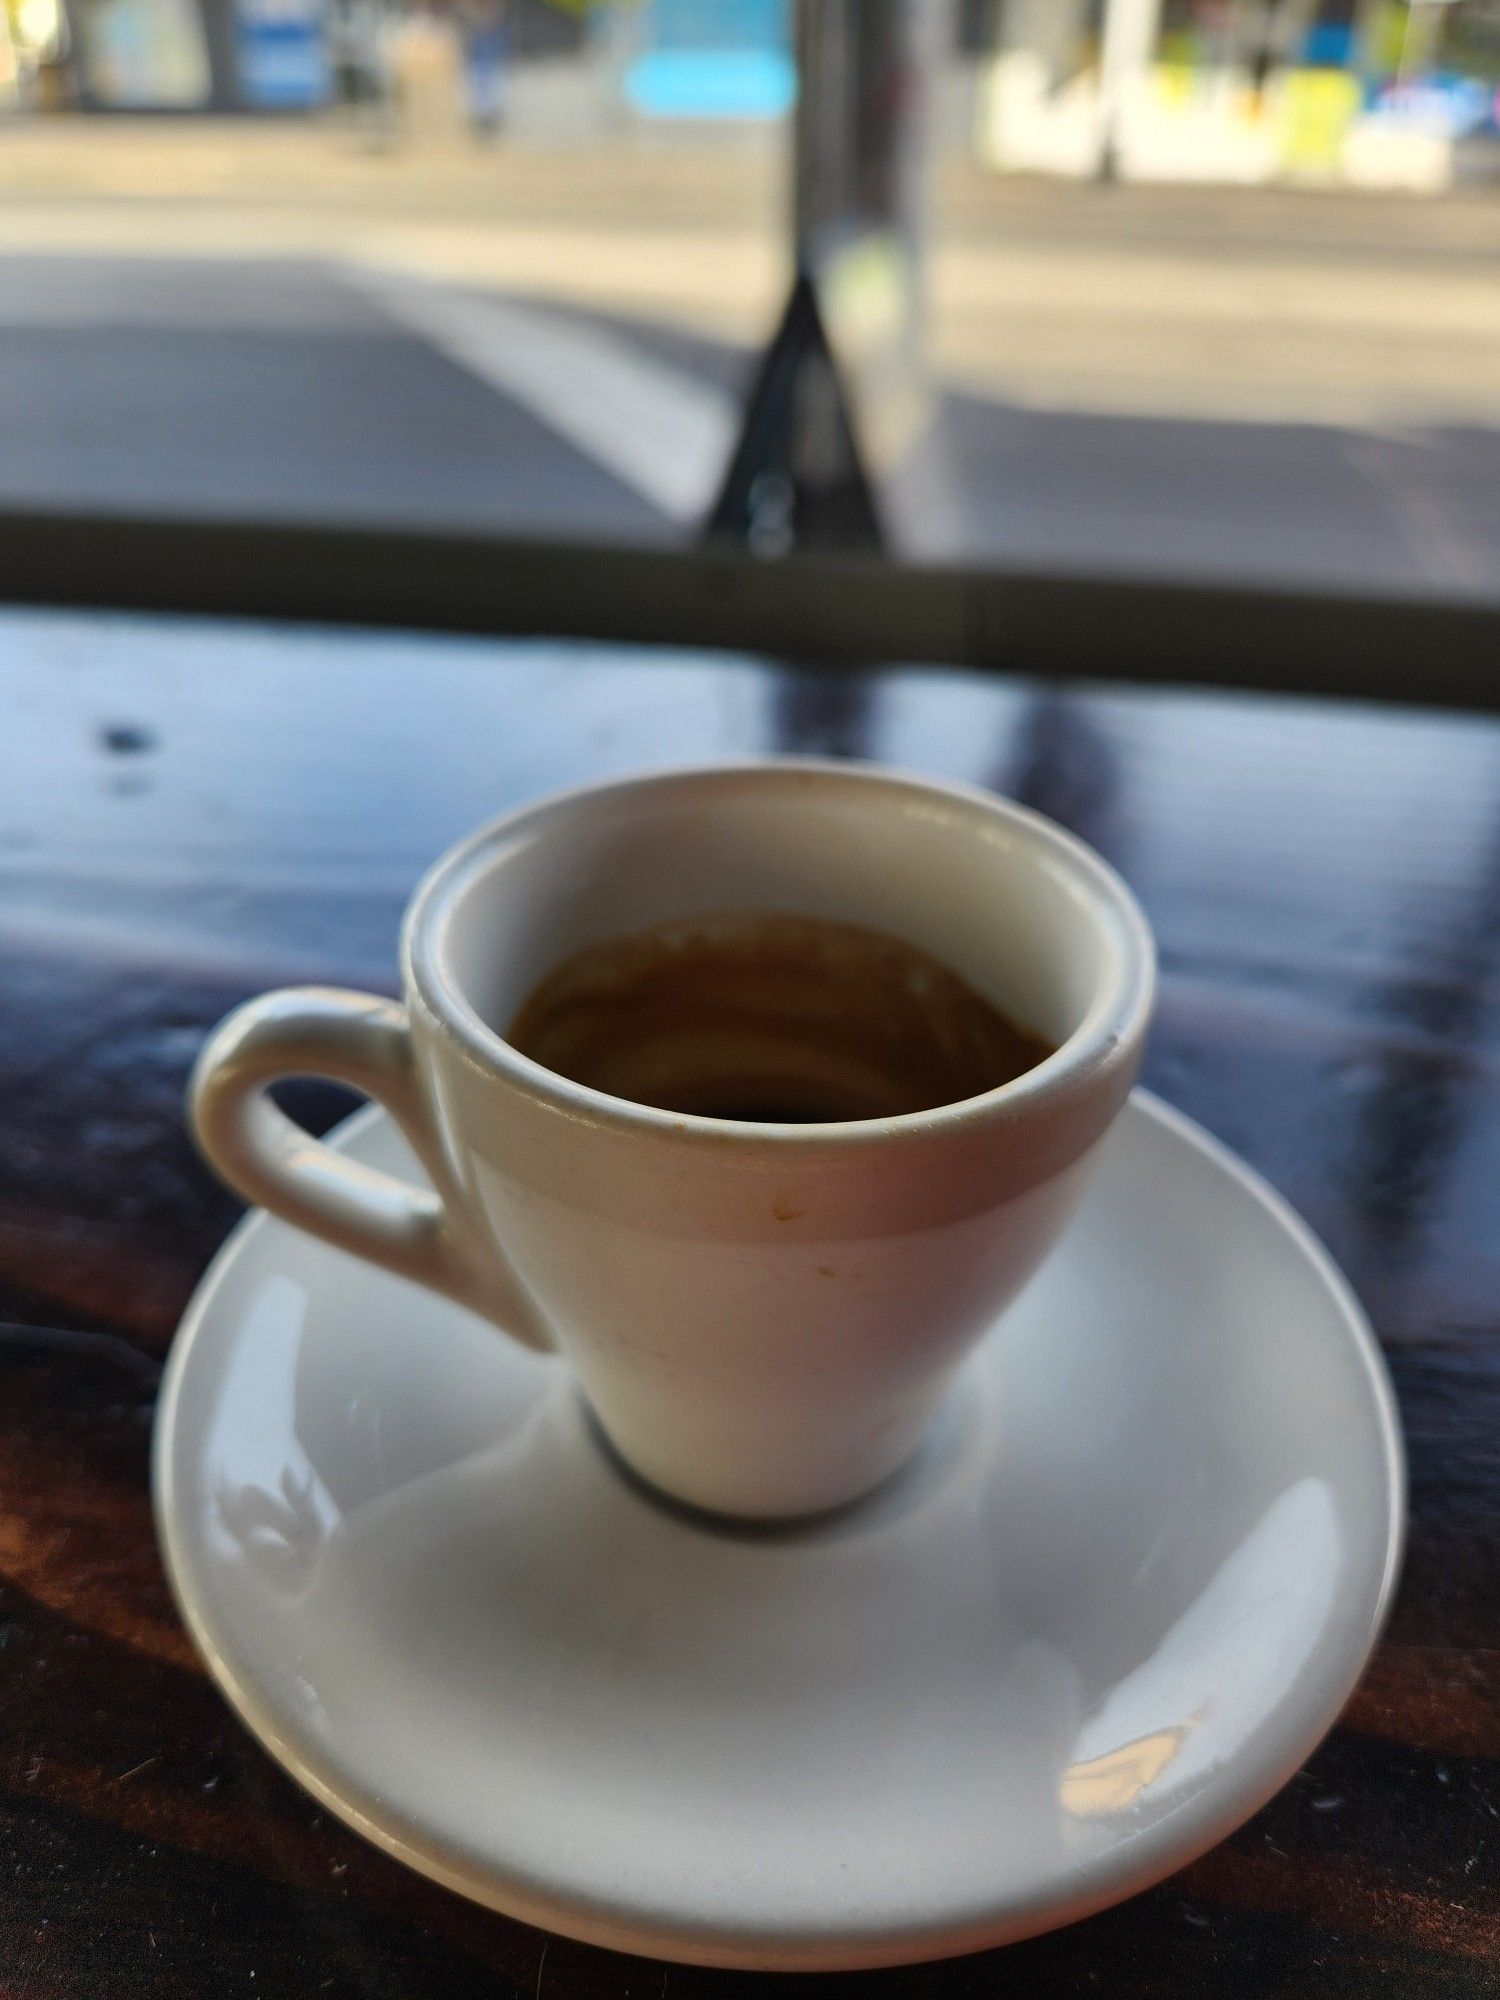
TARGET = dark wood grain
x,y
190,813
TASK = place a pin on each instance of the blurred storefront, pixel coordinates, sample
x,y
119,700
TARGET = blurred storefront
x,y
1399,93
585,61
1402,93
246,55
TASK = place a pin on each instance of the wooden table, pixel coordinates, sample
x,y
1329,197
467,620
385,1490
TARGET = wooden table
x,y
192,812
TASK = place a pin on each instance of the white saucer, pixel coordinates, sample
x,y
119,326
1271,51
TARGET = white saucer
x,y
1128,1584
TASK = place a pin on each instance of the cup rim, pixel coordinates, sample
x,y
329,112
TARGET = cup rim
x,y
1109,1032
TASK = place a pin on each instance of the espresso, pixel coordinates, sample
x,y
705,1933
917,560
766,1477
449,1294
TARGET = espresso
x,y
782,1019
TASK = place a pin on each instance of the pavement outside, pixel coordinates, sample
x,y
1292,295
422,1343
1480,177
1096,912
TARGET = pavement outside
x,y
271,317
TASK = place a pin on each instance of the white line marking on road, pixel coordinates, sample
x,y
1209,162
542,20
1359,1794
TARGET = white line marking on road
x,y
665,432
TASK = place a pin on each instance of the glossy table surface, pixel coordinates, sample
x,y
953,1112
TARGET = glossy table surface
x,y
192,812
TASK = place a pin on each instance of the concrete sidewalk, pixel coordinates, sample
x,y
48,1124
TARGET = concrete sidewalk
x,y
1254,305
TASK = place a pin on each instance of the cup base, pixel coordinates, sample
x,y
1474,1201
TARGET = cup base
x,y
937,1440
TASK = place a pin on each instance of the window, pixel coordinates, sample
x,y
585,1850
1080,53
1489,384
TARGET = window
x,y
1194,292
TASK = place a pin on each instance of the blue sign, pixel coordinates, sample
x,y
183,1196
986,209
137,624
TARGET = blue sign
x,y
714,59
282,54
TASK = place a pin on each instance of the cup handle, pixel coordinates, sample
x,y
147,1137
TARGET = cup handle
x,y
365,1042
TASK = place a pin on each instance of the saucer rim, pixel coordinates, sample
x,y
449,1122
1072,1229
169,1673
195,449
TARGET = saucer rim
x,y
627,1926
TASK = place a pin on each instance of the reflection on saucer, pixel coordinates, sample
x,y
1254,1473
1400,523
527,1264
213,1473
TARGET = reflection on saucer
x,y
1110,1783
1228,1660
272,1509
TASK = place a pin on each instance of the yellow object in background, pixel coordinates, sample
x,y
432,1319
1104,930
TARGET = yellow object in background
x,y
1314,110
1174,85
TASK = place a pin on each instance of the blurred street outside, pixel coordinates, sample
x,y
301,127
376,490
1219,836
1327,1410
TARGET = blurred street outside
x,y
263,316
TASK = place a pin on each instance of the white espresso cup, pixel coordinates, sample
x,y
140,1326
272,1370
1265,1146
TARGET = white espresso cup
x,y
762,1316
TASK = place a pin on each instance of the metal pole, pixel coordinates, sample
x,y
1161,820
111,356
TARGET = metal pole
x,y
838,400
859,130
